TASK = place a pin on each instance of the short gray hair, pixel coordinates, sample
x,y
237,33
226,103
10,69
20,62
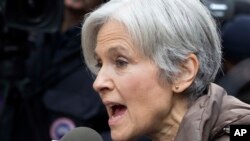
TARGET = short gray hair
x,y
166,31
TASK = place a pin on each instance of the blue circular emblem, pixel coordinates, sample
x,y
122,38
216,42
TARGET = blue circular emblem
x,y
60,127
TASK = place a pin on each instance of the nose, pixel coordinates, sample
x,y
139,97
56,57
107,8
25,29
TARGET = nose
x,y
103,82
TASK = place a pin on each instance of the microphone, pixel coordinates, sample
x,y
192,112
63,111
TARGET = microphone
x,y
82,134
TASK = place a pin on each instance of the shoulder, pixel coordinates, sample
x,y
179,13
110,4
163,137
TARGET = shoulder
x,y
232,111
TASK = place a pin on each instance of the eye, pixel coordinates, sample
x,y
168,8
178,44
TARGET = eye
x,y
121,62
98,64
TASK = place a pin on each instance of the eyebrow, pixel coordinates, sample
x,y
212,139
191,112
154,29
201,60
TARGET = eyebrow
x,y
114,50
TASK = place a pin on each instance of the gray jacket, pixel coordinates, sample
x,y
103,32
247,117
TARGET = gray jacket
x,y
208,119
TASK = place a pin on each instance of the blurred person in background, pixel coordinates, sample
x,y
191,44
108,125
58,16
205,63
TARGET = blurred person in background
x,y
58,95
67,93
236,49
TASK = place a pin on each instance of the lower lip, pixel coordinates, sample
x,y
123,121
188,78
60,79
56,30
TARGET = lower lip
x,y
115,120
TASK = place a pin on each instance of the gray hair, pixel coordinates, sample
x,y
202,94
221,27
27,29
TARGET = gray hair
x,y
166,31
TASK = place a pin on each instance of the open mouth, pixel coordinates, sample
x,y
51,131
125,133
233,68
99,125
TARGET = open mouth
x,y
116,112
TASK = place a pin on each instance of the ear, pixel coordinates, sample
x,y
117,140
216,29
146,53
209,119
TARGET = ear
x,y
187,75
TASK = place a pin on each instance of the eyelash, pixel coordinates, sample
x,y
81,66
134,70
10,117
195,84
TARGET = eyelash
x,y
119,63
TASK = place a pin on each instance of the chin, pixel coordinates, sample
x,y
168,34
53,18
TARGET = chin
x,y
119,136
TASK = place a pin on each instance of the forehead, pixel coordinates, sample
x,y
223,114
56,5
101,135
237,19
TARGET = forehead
x,y
114,34
112,28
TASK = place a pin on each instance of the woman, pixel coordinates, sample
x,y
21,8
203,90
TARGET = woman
x,y
154,62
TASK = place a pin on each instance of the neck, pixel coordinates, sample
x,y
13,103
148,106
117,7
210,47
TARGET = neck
x,y
70,19
171,123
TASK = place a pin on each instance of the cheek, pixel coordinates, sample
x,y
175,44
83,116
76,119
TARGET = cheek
x,y
138,78
142,87
146,99
133,86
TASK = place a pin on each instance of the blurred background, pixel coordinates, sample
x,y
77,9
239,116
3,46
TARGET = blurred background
x,y
45,87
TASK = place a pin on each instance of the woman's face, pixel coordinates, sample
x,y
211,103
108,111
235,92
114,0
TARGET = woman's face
x,y
128,84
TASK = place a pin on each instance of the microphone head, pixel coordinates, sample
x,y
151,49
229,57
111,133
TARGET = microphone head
x,y
82,134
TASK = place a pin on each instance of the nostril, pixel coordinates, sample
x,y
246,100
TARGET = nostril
x,y
103,90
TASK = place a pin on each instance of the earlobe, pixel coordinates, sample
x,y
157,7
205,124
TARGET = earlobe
x,y
187,75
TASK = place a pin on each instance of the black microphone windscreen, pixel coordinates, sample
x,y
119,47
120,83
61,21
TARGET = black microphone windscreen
x,y
82,134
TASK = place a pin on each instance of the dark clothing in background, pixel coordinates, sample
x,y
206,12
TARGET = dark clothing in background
x,y
236,39
237,81
236,53
58,95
